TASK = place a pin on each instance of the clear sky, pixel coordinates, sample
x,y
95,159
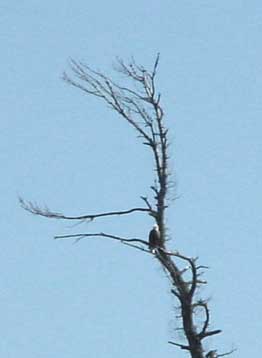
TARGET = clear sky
x,y
65,150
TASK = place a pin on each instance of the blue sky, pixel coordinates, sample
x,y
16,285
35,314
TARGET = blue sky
x,y
65,150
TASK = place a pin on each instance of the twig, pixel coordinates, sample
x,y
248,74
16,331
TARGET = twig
x,y
182,346
227,353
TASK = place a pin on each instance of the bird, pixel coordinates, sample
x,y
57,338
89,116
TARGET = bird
x,y
154,238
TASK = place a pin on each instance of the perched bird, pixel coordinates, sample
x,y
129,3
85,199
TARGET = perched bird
x,y
154,238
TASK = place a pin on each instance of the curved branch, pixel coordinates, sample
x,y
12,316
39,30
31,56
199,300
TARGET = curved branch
x,y
227,353
102,234
137,247
97,84
36,210
204,332
193,268
206,323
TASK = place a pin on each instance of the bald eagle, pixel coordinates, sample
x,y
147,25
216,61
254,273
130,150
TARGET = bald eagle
x,y
154,238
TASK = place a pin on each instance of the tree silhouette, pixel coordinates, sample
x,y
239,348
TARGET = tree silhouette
x,y
139,104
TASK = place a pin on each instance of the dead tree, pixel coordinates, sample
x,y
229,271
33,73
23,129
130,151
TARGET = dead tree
x,y
139,105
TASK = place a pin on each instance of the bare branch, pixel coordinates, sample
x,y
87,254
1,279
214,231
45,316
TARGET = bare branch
x,y
182,346
145,199
200,282
202,267
211,333
130,103
204,332
175,293
227,353
36,210
137,247
191,261
101,234
213,353
155,65
206,323
97,84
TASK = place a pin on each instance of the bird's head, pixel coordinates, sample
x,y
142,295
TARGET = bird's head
x,y
155,227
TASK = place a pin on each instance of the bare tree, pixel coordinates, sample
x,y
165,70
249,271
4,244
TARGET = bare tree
x,y
139,105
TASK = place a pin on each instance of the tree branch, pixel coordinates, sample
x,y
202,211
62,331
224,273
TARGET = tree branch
x,y
182,346
136,247
193,268
101,234
206,323
126,101
227,353
211,333
36,210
